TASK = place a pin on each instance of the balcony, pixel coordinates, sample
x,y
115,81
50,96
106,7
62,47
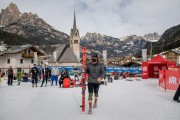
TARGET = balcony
x,y
28,55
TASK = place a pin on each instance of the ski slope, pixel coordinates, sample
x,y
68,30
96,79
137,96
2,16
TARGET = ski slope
x,y
120,100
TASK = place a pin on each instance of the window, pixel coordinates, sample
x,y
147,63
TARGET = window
x,y
29,51
75,34
8,61
75,41
21,61
32,60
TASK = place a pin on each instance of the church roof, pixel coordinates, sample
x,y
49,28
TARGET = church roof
x,y
64,55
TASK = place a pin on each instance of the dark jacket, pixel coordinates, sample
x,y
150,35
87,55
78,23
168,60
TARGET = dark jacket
x,y
64,74
47,71
94,72
34,71
19,69
10,71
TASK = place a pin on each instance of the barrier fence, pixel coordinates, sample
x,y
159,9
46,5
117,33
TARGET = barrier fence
x,y
169,79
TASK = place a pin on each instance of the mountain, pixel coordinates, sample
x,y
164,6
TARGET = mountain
x,y
170,39
10,15
30,27
135,41
152,37
114,46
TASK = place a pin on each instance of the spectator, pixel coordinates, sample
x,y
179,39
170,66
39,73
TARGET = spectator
x,y
10,75
64,74
54,75
19,74
46,74
34,72
76,72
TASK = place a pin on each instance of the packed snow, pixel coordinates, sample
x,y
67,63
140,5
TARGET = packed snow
x,y
120,100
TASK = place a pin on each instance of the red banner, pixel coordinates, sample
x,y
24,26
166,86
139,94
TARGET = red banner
x,y
172,79
169,79
145,70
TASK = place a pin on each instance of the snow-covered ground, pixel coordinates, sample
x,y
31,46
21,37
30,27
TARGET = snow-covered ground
x,y
120,100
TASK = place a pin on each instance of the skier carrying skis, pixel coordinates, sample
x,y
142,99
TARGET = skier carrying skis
x,y
96,73
19,74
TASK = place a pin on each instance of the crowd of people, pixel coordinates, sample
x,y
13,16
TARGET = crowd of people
x,y
42,74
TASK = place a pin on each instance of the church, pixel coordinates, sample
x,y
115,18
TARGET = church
x,y
67,54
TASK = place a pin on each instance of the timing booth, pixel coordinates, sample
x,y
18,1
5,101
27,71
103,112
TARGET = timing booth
x,y
150,69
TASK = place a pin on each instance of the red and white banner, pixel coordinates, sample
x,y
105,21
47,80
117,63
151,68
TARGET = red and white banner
x,y
172,79
145,70
169,79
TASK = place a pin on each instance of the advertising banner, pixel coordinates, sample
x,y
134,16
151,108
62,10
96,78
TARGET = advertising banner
x,y
172,79
145,72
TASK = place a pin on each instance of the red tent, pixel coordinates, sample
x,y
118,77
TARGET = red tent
x,y
150,69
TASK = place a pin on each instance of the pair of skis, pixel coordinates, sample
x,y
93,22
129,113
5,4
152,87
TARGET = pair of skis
x,y
83,84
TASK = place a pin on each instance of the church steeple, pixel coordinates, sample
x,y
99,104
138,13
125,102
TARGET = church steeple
x,y
74,24
75,38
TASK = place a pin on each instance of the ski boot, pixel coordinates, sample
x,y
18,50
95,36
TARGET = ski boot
x,y
46,85
32,85
95,105
18,83
90,111
36,85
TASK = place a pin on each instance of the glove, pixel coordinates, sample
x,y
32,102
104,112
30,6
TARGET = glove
x,y
99,80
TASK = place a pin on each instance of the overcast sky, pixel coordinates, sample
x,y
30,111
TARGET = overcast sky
x,y
115,18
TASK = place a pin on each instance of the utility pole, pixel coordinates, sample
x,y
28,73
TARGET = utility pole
x,y
151,50
162,45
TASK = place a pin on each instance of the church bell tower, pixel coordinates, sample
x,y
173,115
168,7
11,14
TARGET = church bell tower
x,y
75,39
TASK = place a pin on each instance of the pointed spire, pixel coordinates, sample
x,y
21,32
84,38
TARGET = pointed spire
x,y
74,24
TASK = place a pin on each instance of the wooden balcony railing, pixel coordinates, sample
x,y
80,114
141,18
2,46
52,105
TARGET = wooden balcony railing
x,y
28,55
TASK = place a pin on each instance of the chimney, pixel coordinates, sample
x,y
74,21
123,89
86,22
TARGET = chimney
x,y
178,60
55,55
8,48
2,42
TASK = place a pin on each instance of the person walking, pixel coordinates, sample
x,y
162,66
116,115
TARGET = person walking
x,y
10,75
177,95
34,72
54,74
19,74
96,73
46,74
